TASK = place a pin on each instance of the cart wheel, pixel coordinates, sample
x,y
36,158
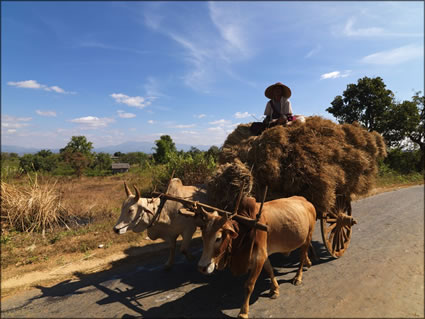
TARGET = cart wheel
x,y
336,227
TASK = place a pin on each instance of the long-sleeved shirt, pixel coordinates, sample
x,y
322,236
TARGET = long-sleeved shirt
x,y
284,106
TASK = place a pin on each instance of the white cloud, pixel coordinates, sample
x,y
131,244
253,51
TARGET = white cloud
x,y
32,84
184,126
11,123
395,56
350,31
335,75
232,28
200,116
206,51
243,115
368,32
216,129
125,115
151,122
92,122
314,51
135,101
46,113
221,122
152,88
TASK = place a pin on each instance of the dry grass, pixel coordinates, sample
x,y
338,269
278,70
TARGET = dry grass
x,y
35,207
90,207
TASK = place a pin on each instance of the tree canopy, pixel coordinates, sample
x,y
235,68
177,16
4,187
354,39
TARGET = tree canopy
x,y
365,102
78,144
165,147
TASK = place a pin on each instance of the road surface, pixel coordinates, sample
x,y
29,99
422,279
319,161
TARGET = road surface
x,y
380,275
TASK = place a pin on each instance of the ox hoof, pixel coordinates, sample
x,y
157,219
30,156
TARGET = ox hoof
x,y
296,281
274,294
243,316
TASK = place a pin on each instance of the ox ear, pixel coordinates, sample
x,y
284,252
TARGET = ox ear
x,y
228,228
127,190
137,194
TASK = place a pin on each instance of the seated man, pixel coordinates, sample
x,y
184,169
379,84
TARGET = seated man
x,y
278,109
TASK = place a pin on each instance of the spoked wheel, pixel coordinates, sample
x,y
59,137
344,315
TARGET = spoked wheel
x,y
336,227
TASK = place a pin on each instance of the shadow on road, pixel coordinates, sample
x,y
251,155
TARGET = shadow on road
x,y
149,291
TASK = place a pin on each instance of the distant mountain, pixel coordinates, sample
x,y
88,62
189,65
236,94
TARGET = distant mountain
x,y
145,147
20,150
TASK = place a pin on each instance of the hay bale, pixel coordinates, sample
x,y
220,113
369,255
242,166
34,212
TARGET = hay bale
x,y
317,159
224,187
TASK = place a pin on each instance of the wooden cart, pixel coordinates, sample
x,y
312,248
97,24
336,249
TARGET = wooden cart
x,y
336,226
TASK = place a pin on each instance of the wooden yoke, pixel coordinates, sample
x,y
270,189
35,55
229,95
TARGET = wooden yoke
x,y
162,203
193,204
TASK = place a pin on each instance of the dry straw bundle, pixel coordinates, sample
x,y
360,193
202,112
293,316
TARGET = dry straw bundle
x,y
316,159
33,207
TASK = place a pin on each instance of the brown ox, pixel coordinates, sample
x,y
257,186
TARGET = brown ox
x,y
290,224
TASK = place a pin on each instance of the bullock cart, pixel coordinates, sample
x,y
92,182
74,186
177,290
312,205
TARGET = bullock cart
x,y
335,224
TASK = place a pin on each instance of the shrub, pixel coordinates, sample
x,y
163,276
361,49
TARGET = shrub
x,y
404,161
192,168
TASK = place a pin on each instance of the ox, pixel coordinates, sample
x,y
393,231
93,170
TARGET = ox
x,y
137,214
226,242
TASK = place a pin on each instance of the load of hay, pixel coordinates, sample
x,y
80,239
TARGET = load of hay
x,y
317,159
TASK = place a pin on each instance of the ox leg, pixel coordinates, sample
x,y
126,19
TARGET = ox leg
x,y
313,254
250,283
184,249
303,259
299,276
170,261
274,289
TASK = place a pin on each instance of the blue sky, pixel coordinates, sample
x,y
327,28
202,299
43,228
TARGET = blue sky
x,y
133,71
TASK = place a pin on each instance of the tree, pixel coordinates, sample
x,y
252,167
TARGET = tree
x,y
78,154
102,161
134,158
406,121
213,151
44,153
366,102
165,147
78,144
28,163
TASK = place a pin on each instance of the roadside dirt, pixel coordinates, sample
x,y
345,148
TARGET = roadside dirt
x,y
16,279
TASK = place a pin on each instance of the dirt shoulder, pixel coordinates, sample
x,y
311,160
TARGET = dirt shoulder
x,y
16,279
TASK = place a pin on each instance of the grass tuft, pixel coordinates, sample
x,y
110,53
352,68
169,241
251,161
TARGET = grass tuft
x,y
33,207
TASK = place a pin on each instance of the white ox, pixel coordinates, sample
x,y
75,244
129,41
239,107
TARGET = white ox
x,y
137,214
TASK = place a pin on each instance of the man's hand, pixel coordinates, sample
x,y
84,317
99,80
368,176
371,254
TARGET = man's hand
x,y
281,120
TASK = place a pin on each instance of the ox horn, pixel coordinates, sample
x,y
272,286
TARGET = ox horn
x,y
223,220
137,193
127,190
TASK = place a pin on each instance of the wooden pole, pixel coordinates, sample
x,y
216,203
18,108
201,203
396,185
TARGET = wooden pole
x,y
262,202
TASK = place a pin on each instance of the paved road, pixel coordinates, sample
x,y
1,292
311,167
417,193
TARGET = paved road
x,y
381,275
